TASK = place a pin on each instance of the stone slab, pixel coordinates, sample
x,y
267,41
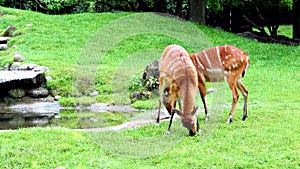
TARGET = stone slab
x,y
21,79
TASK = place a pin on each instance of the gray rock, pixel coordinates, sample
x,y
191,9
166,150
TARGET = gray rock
x,y
38,92
43,99
101,107
94,93
37,109
21,79
6,67
3,46
41,68
28,66
15,66
16,93
151,76
139,95
57,97
26,99
29,25
49,78
18,57
3,43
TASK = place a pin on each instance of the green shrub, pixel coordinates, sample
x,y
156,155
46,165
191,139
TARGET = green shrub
x,y
136,83
67,102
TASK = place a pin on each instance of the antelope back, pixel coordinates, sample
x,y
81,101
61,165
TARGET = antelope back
x,y
215,62
176,66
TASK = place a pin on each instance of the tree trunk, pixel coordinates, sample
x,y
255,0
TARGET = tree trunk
x,y
178,9
296,19
159,6
197,11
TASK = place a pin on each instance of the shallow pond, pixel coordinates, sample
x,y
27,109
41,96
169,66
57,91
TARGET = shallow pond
x,y
87,119
95,116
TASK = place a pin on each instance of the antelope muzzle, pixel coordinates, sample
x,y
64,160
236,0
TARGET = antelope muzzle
x,y
191,128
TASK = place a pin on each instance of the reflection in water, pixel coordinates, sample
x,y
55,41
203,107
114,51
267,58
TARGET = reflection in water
x,y
87,119
99,116
27,114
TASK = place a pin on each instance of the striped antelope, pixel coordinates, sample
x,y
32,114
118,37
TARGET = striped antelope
x,y
222,63
178,78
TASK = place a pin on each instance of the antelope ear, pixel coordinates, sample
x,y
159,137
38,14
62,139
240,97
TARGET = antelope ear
x,y
194,110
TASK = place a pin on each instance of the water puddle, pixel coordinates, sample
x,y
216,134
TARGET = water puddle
x,y
95,117
74,119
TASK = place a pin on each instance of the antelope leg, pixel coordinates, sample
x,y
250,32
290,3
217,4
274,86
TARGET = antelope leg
x,y
171,119
202,90
235,97
158,114
244,90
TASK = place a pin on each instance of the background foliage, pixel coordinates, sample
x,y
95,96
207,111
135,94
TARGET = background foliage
x,y
229,15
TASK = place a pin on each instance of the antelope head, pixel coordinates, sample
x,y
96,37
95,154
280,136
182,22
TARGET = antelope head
x,y
188,121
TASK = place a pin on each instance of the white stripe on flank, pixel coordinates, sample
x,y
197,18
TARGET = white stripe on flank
x,y
170,51
218,53
179,76
208,61
172,62
214,70
199,63
247,61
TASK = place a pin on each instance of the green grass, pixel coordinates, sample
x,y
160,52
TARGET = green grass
x,y
285,30
52,41
269,138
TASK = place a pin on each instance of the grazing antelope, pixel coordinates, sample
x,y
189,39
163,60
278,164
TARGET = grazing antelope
x,y
178,78
222,63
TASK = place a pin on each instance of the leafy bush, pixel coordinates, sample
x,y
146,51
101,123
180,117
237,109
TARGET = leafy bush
x,y
136,83
67,102
76,6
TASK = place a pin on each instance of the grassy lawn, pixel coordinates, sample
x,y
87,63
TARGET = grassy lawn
x,y
269,138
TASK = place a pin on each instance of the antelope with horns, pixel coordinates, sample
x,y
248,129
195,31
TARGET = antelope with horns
x,y
178,78
222,63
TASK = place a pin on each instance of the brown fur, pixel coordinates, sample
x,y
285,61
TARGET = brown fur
x,y
219,63
178,78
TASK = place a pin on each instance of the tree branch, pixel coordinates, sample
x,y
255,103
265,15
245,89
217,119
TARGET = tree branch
x,y
40,5
261,29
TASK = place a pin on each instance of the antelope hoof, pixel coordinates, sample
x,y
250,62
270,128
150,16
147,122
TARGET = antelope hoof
x,y
229,120
157,124
244,117
207,117
168,132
